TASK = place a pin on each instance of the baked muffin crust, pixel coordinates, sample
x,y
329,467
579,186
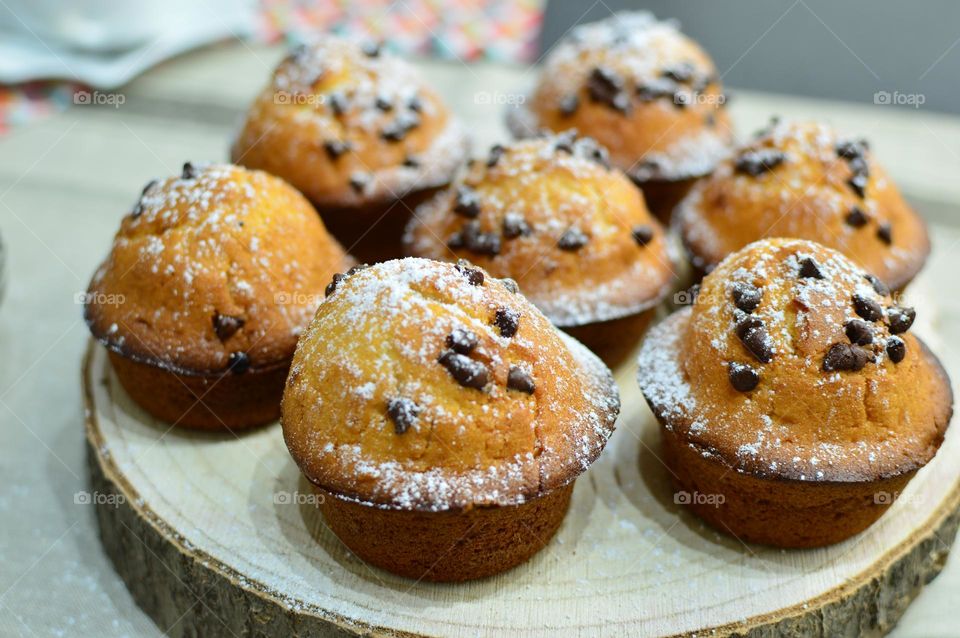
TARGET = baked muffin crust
x,y
425,386
550,213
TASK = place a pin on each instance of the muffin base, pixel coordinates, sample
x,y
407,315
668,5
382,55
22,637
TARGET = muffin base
x,y
447,546
226,401
777,512
373,232
613,340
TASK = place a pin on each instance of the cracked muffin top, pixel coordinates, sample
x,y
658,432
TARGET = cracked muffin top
x,y
350,124
431,386
552,214
218,267
795,363
803,179
639,87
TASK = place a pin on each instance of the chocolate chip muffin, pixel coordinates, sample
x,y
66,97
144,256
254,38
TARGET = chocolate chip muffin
x,y
643,90
206,289
794,401
443,418
803,179
357,131
551,214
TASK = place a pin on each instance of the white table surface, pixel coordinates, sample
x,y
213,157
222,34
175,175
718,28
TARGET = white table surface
x,y
66,182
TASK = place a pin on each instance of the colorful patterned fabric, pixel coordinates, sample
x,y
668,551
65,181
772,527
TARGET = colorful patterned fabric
x,y
501,30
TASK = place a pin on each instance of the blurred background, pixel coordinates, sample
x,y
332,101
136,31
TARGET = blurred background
x,y
884,51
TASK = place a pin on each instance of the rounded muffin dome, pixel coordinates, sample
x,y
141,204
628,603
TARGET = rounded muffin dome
x,y
218,267
639,87
428,386
795,363
550,213
802,179
349,124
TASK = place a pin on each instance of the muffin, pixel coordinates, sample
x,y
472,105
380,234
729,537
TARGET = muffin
x,y
802,179
795,405
209,282
643,90
575,234
358,132
442,418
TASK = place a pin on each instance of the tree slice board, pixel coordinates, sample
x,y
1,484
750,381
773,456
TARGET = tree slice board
x,y
218,535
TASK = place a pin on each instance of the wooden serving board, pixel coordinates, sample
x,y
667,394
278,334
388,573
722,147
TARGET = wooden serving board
x,y
218,535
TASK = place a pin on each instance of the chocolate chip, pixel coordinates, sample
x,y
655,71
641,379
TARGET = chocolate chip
x,y
336,148
859,332
845,356
189,171
479,242
849,149
464,370
397,130
403,412
746,296
569,105
473,275
411,162
878,286
415,104
642,234
355,269
759,161
520,381
467,203
338,103
359,181
507,320
859,166
867,308
593,151
462,341
496,152
514,225
564,143
239,362
606,86
859,184
455,241
510,285
742,377
383,103
885,233
900,319
682,72
856,217
371,49
656,89
332,286
896,349
572,239
753,334
150,184
226,325
137,210
809,268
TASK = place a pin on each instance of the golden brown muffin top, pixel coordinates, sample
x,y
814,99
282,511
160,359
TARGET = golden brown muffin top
x,y
794,363
429,386
349,124
803,179
218,267
551,214
642,89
